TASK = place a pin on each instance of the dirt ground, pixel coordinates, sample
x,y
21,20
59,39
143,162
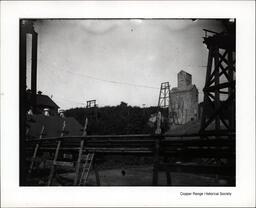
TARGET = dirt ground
x,y
142,176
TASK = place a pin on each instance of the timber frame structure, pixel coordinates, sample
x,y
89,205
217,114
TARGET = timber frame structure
x,y
219,90
159,146
92,105
164,99
164,95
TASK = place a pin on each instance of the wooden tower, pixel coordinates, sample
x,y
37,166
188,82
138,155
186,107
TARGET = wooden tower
x,y
164,95
219,90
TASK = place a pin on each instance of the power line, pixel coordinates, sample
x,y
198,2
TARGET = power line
x,y
53,97
72,101
95,78
111,81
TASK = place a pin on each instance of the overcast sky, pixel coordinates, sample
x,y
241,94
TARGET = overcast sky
x,y
118,60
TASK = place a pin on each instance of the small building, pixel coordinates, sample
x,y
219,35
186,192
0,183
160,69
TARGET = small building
x,y
42,102
183,106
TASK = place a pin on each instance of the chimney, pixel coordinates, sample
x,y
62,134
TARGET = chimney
x,y
33,66
46,111
61,113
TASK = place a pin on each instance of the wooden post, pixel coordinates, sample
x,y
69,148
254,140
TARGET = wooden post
x,y
56,155
35,151
97,176
54,163
156,162
79,161
80,153
157,146
167,172
217,82
230,90
207,80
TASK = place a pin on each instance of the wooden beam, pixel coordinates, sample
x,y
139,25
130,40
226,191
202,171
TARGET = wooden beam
x,y
78,162
217,82
218,110
220,86
230,89
216,67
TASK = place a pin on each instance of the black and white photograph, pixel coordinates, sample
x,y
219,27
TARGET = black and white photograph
x,y
127,102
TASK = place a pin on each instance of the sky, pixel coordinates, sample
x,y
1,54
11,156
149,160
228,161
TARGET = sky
x,y
118,60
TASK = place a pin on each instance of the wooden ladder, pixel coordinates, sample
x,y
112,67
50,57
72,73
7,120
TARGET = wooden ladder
x,y
78,162
84,160
86,168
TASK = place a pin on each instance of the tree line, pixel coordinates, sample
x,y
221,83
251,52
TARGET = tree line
x,y
120,119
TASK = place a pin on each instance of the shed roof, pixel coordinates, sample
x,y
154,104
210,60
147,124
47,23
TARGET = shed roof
x,y
42,100
53,126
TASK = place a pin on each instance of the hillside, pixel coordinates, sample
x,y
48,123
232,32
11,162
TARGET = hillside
x,y
121,119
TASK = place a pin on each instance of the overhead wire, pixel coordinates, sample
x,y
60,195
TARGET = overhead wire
x,y
67,100
99,79
103,80
111,81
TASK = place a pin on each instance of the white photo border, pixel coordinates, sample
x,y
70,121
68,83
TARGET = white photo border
x,y
14,196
